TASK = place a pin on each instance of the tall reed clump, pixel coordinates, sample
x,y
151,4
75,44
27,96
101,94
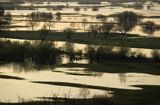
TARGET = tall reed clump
x,y
37,52
66,100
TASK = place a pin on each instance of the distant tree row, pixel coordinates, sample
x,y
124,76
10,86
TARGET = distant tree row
x,y
5,19
123,22
35,17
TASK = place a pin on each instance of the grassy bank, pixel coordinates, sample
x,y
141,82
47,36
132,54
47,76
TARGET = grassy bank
x,y
119,67
114,39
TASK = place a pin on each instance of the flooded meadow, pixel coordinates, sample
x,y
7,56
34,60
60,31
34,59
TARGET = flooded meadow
x,y
67,51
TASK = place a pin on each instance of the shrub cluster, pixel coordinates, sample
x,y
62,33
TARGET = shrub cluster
x,y
101,54
39,53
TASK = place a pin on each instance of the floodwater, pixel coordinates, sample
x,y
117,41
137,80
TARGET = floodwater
x,y
78,16
106,10
18,81
14,89
82,47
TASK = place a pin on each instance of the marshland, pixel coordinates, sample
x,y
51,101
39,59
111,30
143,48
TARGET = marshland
x,y
79,52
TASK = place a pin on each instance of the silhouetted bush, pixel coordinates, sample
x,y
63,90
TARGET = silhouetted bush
x,y
127,20
39,53
106,53
68,32
149,27
155,55
77,9
99,16
100,54
95,9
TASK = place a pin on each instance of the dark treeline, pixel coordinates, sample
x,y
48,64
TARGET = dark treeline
x,y
123,22
46,54
118,1
14,4
5,19
23,52
37,52
102,54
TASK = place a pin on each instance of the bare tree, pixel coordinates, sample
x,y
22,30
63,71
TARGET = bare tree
x,y
106,28
8,18
5,19
1,17
69,49
47,17
43,33
84,23
49,20
93,29
33,19
127,20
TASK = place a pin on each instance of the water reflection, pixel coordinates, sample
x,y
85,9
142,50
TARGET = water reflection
x,y
69,76
69,48
80,47
19,68
122,78
89,15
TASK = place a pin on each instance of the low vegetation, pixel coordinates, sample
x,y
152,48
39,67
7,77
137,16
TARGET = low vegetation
x,y
111,39
101,54
104,57
23,52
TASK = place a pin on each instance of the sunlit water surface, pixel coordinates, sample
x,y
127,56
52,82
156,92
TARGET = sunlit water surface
x,y
105,10
12,89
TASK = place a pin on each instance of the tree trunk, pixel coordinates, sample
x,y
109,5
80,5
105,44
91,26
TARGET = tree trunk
x,y
32,28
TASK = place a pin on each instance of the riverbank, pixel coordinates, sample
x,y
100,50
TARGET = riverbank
x,y
112,39
118,67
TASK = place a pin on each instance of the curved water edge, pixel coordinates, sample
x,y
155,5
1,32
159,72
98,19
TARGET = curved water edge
x,y
82,47
129,78
45,82
106,9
